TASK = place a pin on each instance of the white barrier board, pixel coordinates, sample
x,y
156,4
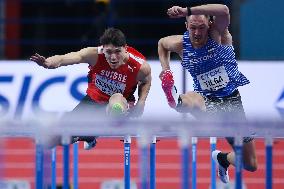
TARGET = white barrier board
x,y
23,83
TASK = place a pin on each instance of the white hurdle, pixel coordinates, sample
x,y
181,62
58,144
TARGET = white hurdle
x,y
146,130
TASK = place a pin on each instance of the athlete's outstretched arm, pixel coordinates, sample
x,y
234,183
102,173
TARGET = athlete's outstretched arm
x,y
87,55
144,79
167,45
219,11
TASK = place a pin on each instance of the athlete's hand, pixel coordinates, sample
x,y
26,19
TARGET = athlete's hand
x,y
177,12
42,61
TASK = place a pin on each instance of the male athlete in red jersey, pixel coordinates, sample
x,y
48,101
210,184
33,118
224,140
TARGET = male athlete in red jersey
x,y
116,70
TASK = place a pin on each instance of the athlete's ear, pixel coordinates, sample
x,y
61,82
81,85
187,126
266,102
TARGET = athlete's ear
x,y
211,20
124,47
186,24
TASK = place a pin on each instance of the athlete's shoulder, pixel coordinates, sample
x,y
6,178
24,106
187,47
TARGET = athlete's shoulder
x,y
173,43
172,39
90,50
224,38
100,49
136,55
88,54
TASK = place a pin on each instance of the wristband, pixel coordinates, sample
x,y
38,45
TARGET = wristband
x,y
188,11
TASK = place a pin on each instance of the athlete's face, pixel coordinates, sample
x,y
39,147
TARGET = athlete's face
x,y
114,55
198,26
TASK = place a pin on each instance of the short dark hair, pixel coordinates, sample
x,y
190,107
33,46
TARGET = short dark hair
x,y
208,17
113,36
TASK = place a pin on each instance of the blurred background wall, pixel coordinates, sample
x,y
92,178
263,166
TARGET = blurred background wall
x,y
59,26
262,29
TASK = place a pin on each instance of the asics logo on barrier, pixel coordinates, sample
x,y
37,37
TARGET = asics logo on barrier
x,y
280,104
25,92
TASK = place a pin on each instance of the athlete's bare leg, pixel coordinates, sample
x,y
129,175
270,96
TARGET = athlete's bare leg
x,y
249,157
193,103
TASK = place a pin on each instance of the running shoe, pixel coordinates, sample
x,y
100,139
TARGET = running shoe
x,y
88,145
222,171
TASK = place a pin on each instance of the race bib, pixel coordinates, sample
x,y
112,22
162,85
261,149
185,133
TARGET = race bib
x,y
214,79
109,86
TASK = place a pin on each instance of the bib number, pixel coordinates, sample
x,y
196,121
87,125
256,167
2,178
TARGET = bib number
x,y
109,86
214,79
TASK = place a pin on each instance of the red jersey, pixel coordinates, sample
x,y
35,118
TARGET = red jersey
x,y
103,81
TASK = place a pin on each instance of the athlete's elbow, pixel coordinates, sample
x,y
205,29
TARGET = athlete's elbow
x,y
225,10
163,47
160,42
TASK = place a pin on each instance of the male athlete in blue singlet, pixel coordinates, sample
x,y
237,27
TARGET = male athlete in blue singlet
x,y
208,55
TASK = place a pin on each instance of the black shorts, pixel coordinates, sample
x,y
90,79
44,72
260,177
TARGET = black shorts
x,y
89,105
229,106
85,110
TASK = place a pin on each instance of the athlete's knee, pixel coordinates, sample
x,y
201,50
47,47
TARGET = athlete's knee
x,y
199,101
193,101
117,105
116,96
